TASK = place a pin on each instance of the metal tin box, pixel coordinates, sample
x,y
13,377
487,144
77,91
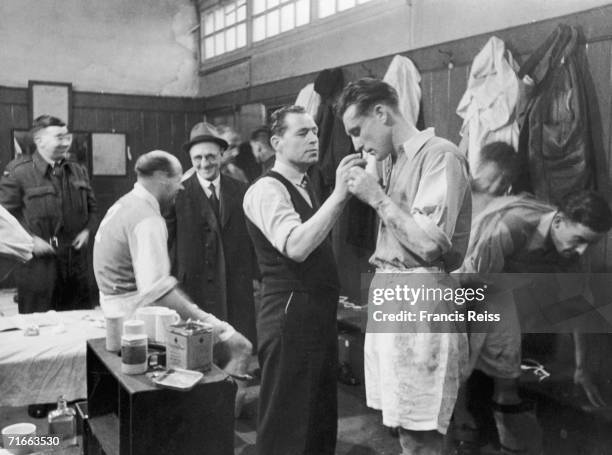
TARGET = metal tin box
x,y
189,346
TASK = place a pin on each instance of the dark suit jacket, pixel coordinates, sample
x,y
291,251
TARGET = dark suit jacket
x,y
214,259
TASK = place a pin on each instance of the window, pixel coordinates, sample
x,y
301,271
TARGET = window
x,y
271,17
329,7
224,29
229,25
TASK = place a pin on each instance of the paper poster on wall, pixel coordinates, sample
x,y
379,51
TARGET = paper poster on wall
x,y
108,154
50,98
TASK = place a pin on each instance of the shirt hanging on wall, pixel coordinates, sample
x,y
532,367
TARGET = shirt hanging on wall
x,y
309,100
489,103
404,77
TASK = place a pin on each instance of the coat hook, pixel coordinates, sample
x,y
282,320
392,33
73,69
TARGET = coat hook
x,y
368,71
450,65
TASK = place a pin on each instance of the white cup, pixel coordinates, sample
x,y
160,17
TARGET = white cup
x,y
157,320
114,329
164,321
20,430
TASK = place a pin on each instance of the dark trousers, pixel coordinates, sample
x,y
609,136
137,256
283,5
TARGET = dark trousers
x,y
54,283
298,354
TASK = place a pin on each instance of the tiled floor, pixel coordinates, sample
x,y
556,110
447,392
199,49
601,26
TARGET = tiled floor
x,y
359,429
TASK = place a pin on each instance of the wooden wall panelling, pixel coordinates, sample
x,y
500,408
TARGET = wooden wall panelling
x,y
440,105
180,135
104,120
164,131
191,118
427,99
457,86
83,119
150,130
19,115
6,145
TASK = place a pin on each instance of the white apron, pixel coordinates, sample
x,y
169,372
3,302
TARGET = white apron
x,y
414,378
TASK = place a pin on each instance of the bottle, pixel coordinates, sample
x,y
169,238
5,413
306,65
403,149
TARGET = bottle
x,y
134,354
62,422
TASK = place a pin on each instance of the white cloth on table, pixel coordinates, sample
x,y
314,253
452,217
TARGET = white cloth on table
x,y
489,103
38,369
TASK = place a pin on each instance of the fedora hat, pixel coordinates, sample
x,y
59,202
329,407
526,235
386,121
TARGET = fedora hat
x,y
204,132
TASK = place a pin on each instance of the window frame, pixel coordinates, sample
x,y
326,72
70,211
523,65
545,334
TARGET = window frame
x,y
278,8
202,13
315,26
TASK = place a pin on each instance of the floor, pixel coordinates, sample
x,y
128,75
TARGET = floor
x,y
360,431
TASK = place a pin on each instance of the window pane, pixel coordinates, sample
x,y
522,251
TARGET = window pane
x,y
219,19
302,12
259,28
287,17
259,6
326,8
230,39
209,23
241,15
230,15
209,47
345,4
272,23
272,3
219,43
241,35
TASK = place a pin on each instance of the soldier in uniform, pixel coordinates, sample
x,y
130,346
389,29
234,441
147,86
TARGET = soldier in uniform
x,y
53,200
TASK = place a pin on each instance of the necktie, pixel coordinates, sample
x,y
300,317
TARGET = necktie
x,y
214,201
57,169
305,183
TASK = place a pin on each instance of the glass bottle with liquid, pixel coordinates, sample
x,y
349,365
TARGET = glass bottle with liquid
x,y
62,422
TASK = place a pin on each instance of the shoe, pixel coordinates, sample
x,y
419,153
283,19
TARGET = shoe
x,y
467,448
467,441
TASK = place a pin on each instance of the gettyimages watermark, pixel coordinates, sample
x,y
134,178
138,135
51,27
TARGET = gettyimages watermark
x,y
536,302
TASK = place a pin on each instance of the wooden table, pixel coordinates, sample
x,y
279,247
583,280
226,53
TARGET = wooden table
x,y
130,415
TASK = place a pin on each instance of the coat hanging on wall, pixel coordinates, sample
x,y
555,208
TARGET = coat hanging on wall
x,y
555,143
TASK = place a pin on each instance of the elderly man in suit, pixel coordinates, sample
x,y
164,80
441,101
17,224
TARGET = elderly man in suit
x,y
213,256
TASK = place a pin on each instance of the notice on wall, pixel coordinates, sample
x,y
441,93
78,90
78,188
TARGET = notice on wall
x,y
50,99
108,154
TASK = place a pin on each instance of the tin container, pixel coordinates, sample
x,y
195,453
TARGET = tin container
x,y
189,346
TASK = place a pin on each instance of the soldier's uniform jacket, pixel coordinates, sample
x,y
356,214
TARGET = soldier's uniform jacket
x,y
49,201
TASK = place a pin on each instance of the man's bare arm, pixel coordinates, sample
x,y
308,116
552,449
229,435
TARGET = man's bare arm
x,y
305,238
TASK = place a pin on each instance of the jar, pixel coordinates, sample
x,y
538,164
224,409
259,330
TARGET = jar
x,y
134,354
